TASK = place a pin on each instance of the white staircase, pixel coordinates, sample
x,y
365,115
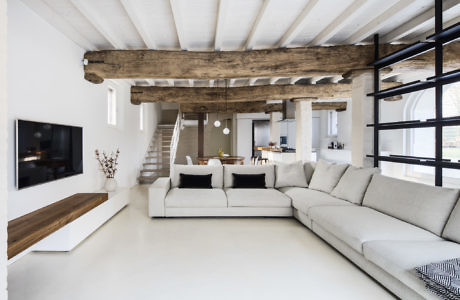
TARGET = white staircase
x,y
158,157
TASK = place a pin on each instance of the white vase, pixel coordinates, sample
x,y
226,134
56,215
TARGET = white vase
x,y
110,185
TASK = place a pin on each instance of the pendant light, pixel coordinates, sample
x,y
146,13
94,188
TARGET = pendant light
x,y
226,131
217,122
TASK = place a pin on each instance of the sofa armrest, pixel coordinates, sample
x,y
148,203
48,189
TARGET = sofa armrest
x,y
157,195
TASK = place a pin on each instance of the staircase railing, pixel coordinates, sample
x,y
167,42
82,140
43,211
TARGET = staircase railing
x,y
175,140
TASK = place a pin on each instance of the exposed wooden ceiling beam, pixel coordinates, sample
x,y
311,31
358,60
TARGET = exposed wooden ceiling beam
x,y
220,24
416,23
241,94
242,107
177,18
95,20
376,23
58,21
338,106
253,107
340,22
292,62
251,40
298,24
133,16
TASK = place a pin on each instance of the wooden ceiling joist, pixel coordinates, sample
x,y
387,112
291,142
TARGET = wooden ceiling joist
x,y
253,107
241,107
291,62
140,94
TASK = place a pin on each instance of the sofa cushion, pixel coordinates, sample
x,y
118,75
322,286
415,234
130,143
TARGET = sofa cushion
x,y
452,229
326,176
292,174
355,225
303,199
216,171
425,206
256,198
195,198
309,168
195,181
399,258
269,171
353,184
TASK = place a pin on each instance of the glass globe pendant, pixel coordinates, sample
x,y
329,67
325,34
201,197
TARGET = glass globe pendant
x,y
226,131
217,123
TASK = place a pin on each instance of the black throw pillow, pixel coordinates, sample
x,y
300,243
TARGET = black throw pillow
x,y
188,181
249,181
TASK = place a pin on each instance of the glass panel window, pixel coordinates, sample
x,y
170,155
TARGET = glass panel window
x,y
111,106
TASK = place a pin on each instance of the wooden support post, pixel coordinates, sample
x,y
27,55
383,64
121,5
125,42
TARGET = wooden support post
x,y
200,134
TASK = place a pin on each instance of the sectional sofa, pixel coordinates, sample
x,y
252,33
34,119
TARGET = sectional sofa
x,y
385,226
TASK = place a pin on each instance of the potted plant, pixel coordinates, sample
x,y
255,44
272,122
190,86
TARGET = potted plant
x,y
108,164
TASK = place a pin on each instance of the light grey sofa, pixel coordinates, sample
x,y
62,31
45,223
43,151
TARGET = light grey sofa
x,y
385,226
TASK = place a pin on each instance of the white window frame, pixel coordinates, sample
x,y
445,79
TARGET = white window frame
x,y
112,106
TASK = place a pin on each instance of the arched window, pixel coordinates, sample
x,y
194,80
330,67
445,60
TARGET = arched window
x,y
420,142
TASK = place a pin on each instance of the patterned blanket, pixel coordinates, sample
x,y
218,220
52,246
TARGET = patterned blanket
x,y
442,278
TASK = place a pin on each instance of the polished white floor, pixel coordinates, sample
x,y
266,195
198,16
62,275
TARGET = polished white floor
x,y
135,257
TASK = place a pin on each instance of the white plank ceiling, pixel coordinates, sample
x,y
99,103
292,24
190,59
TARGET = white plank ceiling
x,y
224,25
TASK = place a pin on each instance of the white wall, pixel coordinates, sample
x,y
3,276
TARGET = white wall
x,y
45,83
3,149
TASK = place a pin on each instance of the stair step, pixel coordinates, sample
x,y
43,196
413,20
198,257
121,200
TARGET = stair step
x,y
163,171
156,157
147,179
153,163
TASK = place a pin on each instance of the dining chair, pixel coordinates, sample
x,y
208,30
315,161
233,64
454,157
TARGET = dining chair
x,y
214,162
189,160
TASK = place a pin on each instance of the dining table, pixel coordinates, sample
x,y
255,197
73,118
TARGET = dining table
x,y
225,160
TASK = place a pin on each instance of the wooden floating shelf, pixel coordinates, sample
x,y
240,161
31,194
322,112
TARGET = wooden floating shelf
x,y
29,229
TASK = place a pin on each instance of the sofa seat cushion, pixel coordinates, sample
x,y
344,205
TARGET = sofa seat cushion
x,y
257,198
195,198
425,206
355,225
303,199
399,258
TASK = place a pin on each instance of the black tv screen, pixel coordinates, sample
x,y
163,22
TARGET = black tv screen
x,y
46,152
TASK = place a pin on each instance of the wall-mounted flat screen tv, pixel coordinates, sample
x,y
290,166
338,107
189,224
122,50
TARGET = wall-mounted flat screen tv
x,y
47,152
